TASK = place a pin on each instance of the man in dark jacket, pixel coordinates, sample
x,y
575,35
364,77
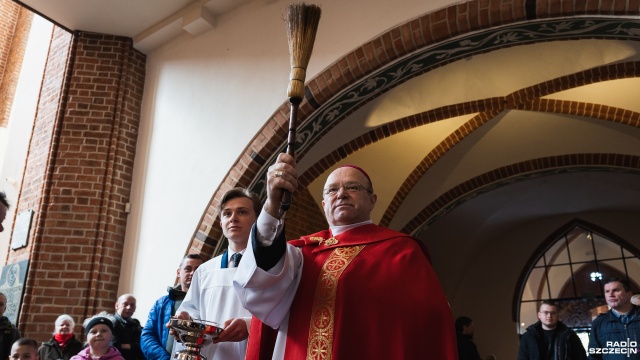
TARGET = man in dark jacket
x,y
616,333
467,349
9,332
126,329
550,339
155,341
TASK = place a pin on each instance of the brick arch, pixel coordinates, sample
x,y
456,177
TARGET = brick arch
x,y
526,99
520,171
408,50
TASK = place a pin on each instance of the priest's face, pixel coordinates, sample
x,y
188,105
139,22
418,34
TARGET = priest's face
x,y
347,197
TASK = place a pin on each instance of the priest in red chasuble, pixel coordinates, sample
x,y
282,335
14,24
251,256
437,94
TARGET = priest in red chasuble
x,y
354,291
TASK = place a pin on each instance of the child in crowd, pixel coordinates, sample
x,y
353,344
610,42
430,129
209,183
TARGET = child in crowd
x,y
24,349
99,331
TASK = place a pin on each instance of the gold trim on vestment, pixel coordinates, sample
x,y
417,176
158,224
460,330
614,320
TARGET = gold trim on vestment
x,y
328,242
331,241
320,343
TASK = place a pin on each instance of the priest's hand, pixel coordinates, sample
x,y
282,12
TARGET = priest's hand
x,y
281,176
234,330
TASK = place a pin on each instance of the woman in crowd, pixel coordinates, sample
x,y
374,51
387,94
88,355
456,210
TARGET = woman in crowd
x,y
63,344
99,331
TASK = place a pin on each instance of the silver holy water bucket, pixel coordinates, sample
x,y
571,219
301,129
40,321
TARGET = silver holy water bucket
x,y
193,334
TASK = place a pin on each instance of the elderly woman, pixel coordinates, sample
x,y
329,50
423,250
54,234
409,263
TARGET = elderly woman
x,y
63,344
99,331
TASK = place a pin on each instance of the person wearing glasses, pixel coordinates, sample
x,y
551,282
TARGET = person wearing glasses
x,y
550,339
354,291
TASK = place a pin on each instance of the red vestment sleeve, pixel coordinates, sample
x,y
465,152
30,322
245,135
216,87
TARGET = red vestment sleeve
x,y
262,340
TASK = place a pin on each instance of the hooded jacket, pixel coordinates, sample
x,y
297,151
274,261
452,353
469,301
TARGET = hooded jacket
x,y
153,340
112,354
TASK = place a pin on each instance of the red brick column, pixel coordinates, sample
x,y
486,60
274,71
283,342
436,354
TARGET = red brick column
x,y
15,24
78,178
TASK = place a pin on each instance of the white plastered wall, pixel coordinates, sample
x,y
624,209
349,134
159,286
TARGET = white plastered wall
x,y
205,98
14,139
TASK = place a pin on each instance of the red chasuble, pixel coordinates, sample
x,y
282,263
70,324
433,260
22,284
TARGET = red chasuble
x,y
368,293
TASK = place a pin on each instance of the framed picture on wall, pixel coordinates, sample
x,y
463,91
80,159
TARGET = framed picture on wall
x,y
12,283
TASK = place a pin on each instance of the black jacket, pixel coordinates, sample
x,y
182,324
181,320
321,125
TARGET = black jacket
x,y
467,349
50,350
9,335
567,344
127,333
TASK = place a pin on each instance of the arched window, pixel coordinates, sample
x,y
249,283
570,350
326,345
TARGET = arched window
x,y
569,268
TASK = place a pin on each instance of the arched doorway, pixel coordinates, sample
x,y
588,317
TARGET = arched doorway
x,y
569,268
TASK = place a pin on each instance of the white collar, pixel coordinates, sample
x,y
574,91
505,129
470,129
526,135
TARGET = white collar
x,y
339,229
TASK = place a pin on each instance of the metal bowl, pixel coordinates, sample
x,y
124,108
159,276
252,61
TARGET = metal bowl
x,y
195,331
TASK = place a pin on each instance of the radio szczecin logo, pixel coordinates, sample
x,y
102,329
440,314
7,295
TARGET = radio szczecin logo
x,y
617,347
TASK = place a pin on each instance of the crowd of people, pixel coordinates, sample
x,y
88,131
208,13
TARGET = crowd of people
x,y
311,297
614,335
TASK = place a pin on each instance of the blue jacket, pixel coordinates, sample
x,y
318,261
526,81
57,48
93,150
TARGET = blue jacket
x,y
608,328
153,340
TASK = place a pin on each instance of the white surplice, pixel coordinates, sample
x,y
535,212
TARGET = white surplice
x,y
269,294
211,297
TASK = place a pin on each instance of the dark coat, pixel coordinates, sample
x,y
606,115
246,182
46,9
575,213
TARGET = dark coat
x,y
607,327
127,332
9,335
50,350
567,344
467,349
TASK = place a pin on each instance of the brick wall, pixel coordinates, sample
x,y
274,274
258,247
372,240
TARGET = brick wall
x,y
78,178
15,24
304,217
8,18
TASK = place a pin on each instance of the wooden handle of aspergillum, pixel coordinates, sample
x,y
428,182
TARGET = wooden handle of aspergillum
x,y
302,23
285,201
